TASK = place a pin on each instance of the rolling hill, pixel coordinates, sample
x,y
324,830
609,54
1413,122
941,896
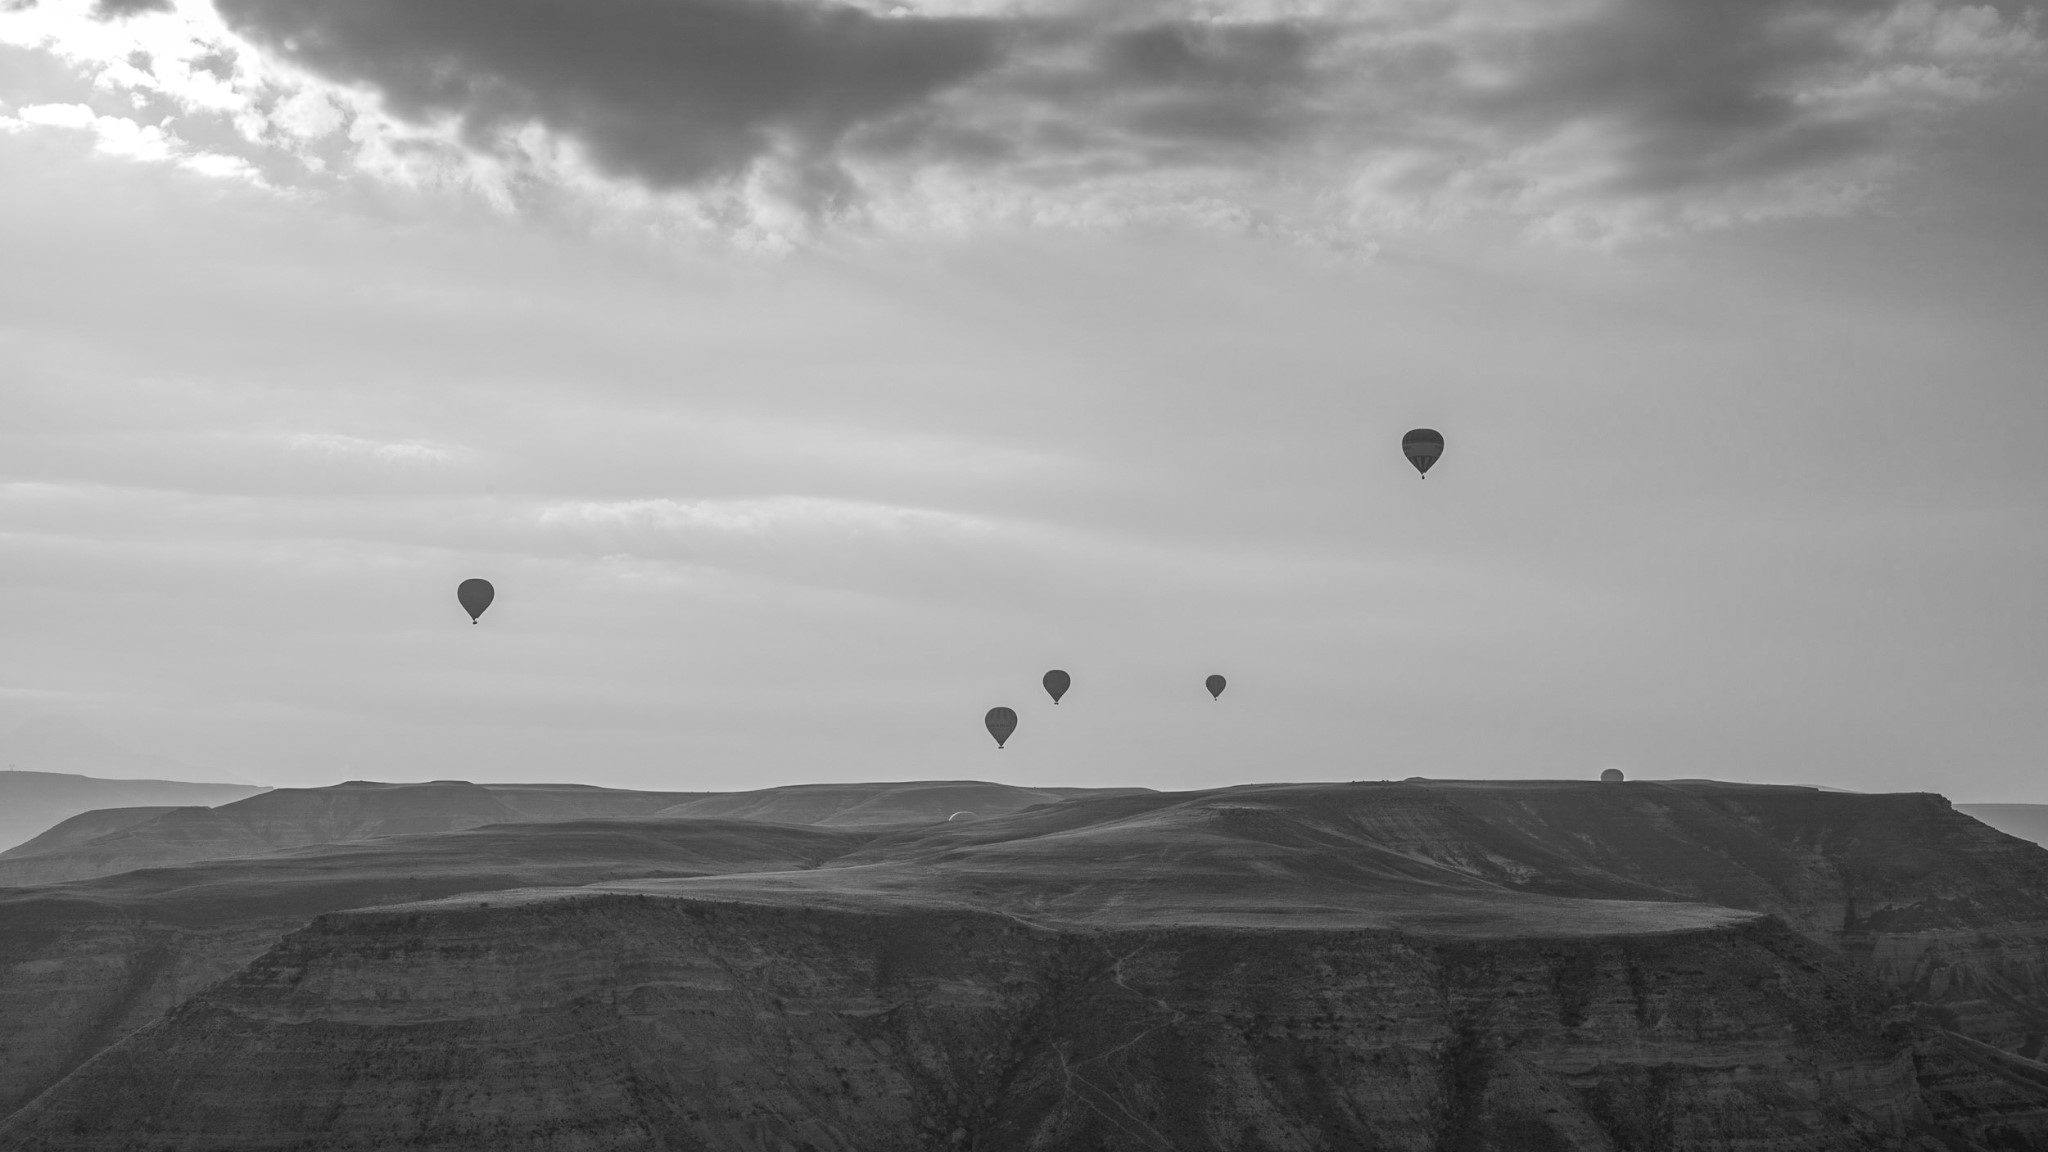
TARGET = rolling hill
x,y
108,841
31,802
287,818
874,805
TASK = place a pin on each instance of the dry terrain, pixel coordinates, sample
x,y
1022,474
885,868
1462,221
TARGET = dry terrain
x,y
31,802
103,843
1417,965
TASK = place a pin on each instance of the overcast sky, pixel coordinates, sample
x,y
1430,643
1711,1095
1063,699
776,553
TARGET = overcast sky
x,y
809,377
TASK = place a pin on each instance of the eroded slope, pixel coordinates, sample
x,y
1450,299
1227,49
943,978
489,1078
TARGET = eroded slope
x,y
83,964
625,1023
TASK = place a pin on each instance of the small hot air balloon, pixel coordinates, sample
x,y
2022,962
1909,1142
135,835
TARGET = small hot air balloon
x,y
1001,722
1215,686
1422,446
1056,684
476,595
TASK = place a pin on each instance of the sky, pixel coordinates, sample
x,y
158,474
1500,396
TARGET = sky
x,y
810,377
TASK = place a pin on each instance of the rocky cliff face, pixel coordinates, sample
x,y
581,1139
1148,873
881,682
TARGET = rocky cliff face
x,y
645,1022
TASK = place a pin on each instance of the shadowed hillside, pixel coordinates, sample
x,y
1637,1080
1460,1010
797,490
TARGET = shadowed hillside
x,y
1424,965
92,960
676,1024
107,842
1827,862
297,817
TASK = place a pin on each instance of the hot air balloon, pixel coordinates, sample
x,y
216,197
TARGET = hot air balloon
x,y
476,595
1215,686
1056,684
1611,776
1001,722
1422,446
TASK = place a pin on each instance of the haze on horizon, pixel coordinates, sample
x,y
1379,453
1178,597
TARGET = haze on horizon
x,y
809,377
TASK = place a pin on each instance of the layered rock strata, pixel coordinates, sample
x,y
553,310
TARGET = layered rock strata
x,y
623,1022
82,965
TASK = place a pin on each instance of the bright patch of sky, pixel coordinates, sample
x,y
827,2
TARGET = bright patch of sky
x,y
804,401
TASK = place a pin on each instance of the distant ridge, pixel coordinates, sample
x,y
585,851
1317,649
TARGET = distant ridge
x,y
61,744
880,804
102,843
88,826
2026,821
31,802
122,839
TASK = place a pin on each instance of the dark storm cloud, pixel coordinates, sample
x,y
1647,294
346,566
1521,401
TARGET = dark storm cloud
x,y
1244,57
1133,97
667,91
1651,100
115,9
1710,93
1205,84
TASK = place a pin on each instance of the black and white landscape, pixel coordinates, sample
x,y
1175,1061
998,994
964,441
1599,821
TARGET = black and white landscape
x,y
1024,575
1415,964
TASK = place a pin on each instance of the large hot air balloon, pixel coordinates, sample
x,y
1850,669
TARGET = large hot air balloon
x,y
1215,686
476,595
1001,722
1422,446
1056,684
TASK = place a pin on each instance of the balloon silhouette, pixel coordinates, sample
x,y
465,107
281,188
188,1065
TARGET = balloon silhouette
x,y
1001,722
476,595
1611,776
1422,446
1056,684
1215,686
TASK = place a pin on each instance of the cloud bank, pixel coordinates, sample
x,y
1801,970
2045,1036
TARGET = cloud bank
x,y
1592,117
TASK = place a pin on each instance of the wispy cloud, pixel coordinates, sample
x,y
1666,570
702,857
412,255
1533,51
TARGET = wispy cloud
x,y
337,446
756,517
1592,118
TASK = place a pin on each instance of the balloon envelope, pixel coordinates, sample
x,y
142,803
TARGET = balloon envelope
x,y
1215,686
475,595
1001,722
1422,446
1057,683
